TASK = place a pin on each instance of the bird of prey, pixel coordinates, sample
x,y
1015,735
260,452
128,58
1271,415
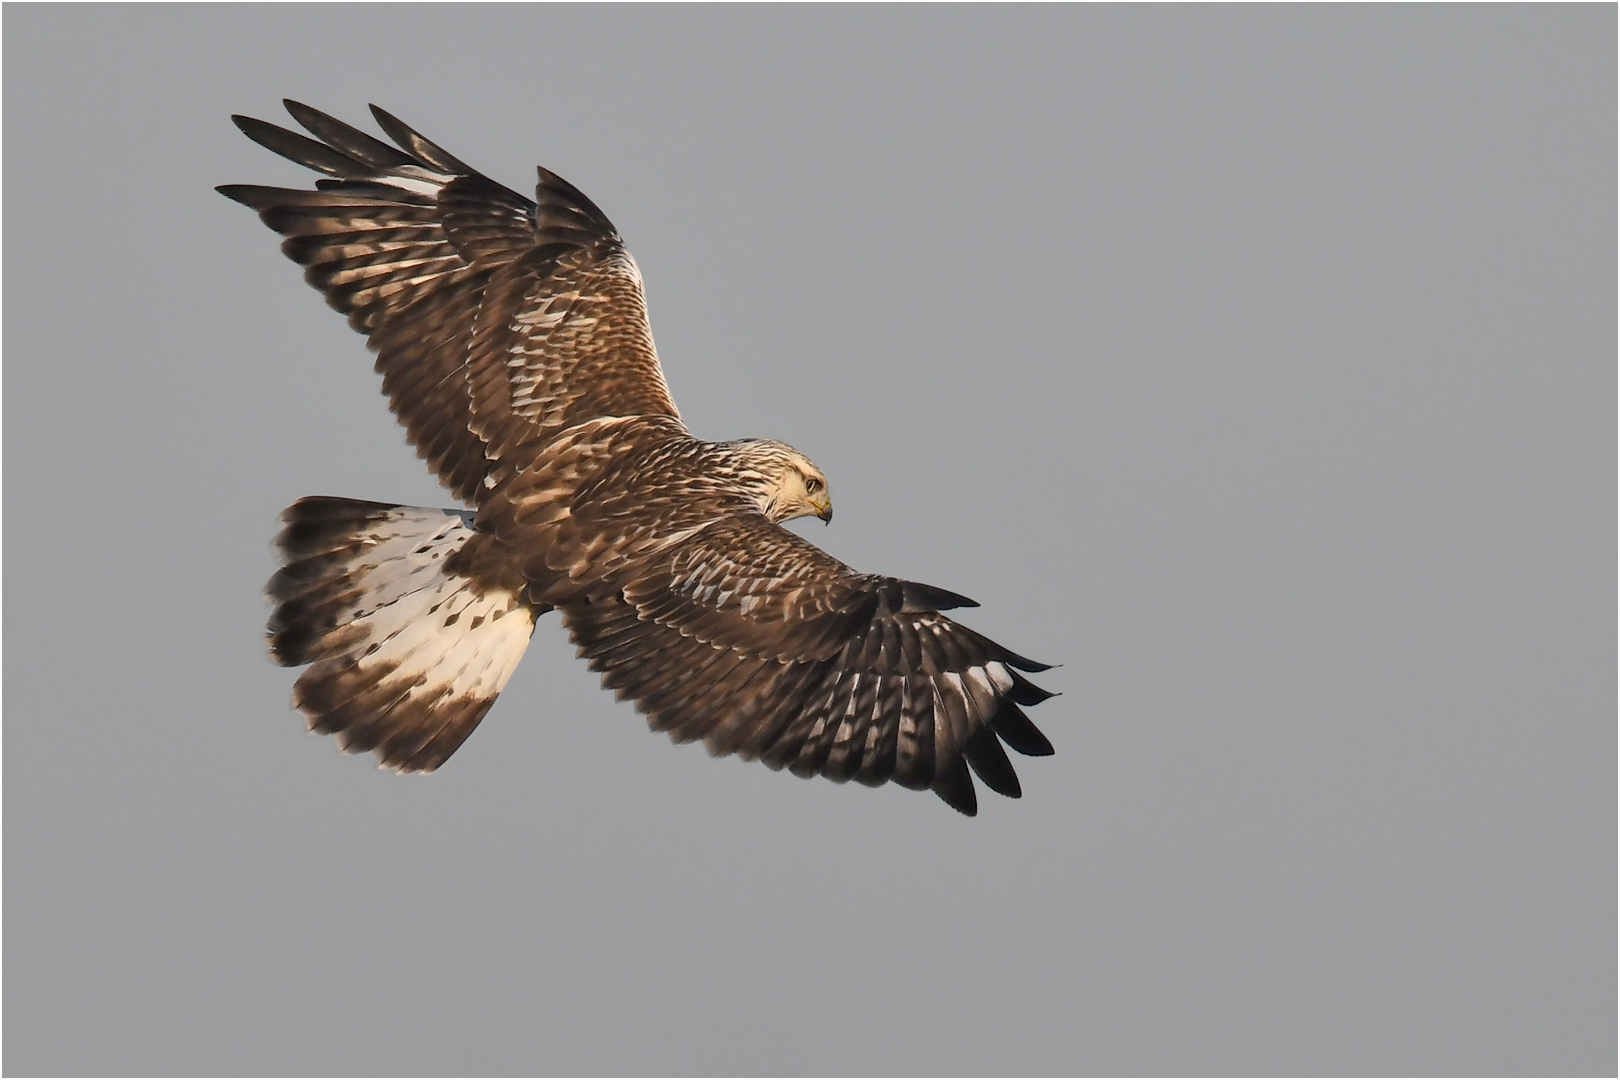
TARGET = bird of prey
x,y
513,344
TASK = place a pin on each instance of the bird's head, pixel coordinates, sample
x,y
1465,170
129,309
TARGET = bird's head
x,y
786,484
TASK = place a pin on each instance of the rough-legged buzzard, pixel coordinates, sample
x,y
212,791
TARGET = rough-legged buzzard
x,y
513,343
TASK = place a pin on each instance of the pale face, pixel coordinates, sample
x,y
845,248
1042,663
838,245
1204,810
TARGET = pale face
x,y
803,492
799,490
786,484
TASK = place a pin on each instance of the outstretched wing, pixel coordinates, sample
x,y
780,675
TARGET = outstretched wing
x,y
497,321
757,642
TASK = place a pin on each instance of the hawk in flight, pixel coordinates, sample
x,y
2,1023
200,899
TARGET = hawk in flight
x,y
513,344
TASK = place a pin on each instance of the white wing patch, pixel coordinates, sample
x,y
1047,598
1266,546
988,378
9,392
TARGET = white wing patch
x,y
414,178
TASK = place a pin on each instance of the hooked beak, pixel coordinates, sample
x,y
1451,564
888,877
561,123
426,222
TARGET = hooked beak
x,y
825,513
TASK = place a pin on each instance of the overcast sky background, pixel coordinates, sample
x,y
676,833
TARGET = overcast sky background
x,y
1256,364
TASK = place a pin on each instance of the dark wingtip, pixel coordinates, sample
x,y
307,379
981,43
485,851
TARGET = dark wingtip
x,y
256,129
991,764
1025,692
1019,731
955,786
414,142
1023,663
352,142
296,148
917,597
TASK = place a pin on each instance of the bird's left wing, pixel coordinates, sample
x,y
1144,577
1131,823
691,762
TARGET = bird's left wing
x,y
498,320
757,642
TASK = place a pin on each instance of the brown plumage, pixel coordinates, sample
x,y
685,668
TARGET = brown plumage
x,y
513,342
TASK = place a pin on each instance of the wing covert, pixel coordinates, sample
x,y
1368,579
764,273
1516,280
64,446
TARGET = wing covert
x,y
562,338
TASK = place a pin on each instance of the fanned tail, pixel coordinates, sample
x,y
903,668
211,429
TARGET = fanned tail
x,y
405,658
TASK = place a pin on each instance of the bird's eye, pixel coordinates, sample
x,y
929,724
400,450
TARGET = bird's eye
x,y
812,485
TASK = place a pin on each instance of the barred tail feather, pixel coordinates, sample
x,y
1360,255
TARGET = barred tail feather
x,y
405,659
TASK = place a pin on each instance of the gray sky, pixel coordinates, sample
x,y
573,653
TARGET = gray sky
x,y
1256,364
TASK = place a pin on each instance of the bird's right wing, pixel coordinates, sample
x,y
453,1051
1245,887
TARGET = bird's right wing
x,y
498,321
754,640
